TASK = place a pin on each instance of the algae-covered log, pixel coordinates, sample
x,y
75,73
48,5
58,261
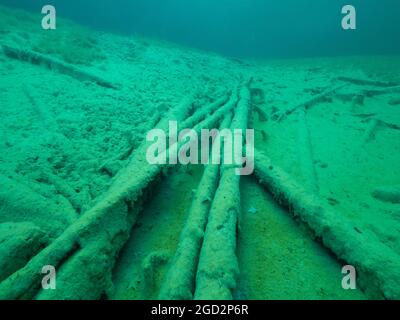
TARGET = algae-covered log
x,y
374,125
367,82
85,253
179,280
378,266
48,121
54,64
218,266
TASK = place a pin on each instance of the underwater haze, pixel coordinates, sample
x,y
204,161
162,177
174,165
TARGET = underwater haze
x,y
244,28
107,190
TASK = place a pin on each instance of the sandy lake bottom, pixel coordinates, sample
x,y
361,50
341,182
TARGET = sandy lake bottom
x,y
75,107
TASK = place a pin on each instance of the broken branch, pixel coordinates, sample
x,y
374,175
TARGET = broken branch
x,y
52,63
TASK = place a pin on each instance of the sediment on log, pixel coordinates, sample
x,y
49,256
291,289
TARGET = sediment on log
x,y
49,124
114,165
54,64
377,265
218,266
319,98
86,251
374,126
179,282
305,152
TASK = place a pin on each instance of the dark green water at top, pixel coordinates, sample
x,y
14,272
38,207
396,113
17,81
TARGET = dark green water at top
x,y
244,28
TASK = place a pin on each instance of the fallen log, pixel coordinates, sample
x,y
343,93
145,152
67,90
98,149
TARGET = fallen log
x,y
305,153
218,266
19,242
377,265
54,64
179,282
113,166
374,126
86,251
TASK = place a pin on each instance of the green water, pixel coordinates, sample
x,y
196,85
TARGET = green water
x,y
79,196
